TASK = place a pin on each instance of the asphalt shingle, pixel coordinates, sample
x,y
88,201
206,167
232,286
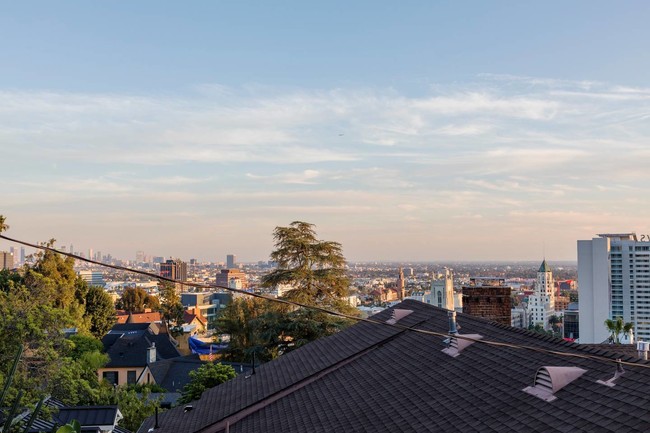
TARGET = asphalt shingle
x,y
386,380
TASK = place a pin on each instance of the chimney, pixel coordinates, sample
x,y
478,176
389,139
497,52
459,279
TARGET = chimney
x,y
151,354
642,349
452,322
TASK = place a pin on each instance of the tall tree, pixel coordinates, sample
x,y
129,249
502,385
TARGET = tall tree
x,y
315,269
100,311
254,326
3,224
133,300
170,304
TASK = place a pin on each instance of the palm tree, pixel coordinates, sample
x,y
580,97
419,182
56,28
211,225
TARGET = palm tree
x,y
616,328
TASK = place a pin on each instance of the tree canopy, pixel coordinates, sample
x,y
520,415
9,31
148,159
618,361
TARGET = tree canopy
x,y
315,270
206,376
170,304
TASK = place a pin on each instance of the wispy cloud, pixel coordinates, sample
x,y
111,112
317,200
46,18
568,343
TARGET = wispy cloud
x,y
501,154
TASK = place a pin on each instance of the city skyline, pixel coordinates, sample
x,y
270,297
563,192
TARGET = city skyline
x,y
412,133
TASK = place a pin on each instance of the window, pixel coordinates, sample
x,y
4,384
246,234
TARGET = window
x,y
111,377
130,377
440,299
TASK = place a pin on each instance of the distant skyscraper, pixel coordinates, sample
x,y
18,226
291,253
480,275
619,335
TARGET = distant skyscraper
x,y
139,256
541,304
91,256
22,254
613,281
231,261
158,259
71,249
175,270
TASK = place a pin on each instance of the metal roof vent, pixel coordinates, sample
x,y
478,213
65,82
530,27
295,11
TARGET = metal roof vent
x,y
456,345
549,380
398,314
618,373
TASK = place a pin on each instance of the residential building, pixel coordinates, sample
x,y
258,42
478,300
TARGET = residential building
x,y
541,304
93,278
6,260
205,305
489,298
131,348
232,278
100,419
384,379
613,281
147,317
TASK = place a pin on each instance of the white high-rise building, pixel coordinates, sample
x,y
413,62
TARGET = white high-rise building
x,y
613,281
541,304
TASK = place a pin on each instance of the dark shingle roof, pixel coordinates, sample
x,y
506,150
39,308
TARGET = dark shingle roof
x,y
88,415
130,349
380,379
174,373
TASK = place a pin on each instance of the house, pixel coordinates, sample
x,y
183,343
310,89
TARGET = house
x,y
146,317
193,316
174,373
132,347
377,378
96,419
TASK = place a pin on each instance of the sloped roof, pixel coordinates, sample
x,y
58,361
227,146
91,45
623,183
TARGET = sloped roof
x,y
89,417
173,374
139,317
544,267
381,379
130,348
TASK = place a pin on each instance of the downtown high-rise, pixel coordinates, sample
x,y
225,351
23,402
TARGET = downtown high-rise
x,y
614,281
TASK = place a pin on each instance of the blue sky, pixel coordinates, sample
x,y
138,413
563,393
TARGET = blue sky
x,y
404,130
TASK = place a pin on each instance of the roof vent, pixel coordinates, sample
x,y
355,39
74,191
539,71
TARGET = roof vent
x,y
549,380
398,314
459,342
188,408
618,373
642,348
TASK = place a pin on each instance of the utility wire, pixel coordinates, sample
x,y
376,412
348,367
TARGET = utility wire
x,y
326,311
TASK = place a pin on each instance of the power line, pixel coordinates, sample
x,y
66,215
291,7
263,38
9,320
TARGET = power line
x,y
326,311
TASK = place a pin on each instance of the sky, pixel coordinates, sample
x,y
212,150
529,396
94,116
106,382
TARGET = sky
x,y
410,130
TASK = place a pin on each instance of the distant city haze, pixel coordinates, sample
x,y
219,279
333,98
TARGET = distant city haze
x,y
406,132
